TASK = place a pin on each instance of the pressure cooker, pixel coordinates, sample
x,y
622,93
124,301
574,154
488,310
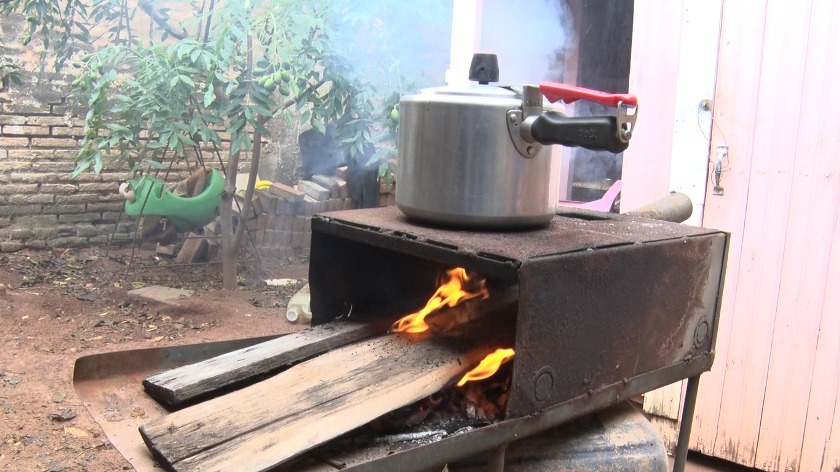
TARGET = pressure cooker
x,y
479,155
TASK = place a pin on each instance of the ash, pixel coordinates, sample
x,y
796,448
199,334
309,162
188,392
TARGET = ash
x,y
452,410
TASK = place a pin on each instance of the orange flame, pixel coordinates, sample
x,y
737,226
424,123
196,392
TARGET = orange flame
x,y
449,294
488,366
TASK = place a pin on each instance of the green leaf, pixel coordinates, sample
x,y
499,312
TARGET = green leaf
x,y
82,166
117,127
319,126
173,142
235,144
155,164
97,162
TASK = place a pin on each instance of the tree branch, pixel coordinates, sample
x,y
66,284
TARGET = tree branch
x,y
161,20
211,10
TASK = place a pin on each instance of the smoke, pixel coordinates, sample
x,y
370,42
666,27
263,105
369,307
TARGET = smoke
x,y
531,37
395,44
406,45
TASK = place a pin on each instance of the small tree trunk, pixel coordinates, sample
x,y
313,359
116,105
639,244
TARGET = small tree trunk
x,y
229,273
232,240
230,246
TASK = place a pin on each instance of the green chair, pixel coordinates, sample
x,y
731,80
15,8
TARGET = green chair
x,y
152,198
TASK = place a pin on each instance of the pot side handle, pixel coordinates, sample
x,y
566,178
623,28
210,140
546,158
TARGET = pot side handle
x,y
591,132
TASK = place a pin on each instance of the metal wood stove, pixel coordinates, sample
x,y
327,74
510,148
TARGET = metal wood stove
x,y
609,307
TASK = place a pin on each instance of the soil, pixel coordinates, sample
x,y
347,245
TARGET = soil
x,y
59,305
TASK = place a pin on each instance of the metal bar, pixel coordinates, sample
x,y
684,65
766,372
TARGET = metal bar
x,y
685,424
676,208
116,227
496,459
480,440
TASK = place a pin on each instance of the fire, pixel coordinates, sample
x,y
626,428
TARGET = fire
x,y
449,294
488,366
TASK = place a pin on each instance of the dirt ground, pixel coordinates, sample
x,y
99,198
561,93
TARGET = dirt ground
x,y
59,305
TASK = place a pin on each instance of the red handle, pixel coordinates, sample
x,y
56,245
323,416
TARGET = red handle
x,y
554,91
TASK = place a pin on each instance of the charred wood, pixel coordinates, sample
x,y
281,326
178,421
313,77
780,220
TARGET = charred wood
x,y
268,423
187,383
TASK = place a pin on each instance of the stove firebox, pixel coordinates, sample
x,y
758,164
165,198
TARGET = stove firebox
x,y
609,306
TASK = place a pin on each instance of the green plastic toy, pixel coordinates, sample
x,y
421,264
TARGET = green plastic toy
x,y
186,213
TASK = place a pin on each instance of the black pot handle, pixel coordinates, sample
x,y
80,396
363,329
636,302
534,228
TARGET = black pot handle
x,y
590,132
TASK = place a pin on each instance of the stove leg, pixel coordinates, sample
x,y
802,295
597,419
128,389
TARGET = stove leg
x,y
496,459
685,424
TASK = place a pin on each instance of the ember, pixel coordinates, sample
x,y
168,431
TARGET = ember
x,y
449,294
449,410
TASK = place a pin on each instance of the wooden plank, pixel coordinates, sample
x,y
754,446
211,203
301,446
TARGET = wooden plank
x,y
667,429
695,83
765,230
268,423
736,95
690,153
184,384
831,451
656,49
664,401
811,223
821,442
831,454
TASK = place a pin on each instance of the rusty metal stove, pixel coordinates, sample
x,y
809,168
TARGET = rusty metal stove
x,y
610,306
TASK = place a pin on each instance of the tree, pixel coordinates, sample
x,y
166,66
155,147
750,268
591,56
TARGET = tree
x,y
227,66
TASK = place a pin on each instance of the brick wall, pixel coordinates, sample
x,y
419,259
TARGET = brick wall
x,y
40,204
280,221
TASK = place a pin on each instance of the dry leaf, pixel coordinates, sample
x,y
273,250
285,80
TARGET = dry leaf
x,y
79,433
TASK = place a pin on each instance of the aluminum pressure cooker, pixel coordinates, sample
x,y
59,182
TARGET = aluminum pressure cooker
x,y
479,155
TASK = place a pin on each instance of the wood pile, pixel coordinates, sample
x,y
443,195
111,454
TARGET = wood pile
x,y
280,220
333,391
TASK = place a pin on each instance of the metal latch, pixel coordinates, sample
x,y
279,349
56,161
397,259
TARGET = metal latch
x,y
519,119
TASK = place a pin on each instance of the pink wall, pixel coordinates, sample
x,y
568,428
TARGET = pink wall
x,y
647,162
771,399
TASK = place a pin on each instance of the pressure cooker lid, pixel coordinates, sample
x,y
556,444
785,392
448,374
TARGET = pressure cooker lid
x,y
474,90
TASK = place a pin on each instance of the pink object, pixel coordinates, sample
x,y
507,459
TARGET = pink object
x,y
604,203
554,92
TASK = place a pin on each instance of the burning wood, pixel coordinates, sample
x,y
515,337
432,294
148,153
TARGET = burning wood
x,y
277,419
458,301
450,294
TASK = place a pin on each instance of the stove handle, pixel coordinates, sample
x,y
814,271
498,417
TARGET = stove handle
x,y
591,132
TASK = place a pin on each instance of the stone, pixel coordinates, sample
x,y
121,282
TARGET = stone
x,y
341,172
285,192
328,182
161,294
168,250
313,190
195,249
341,184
